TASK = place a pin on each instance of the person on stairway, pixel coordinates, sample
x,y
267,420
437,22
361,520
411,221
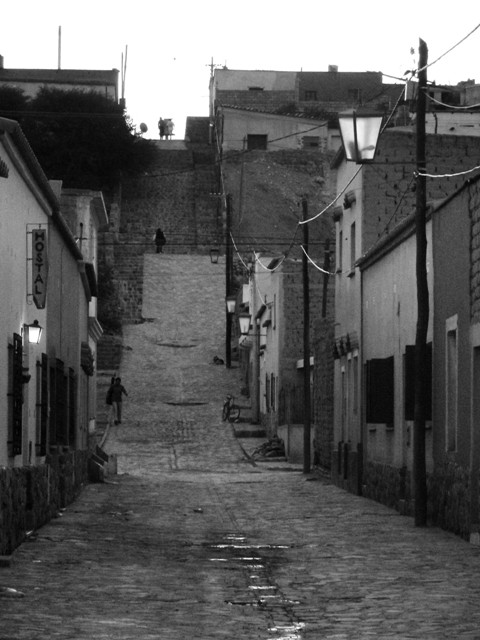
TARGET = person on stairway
x,y
160,240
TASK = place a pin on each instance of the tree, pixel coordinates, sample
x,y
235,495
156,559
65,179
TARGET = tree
x,y
82,138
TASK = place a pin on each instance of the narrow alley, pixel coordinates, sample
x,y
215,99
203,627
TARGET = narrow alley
x,y
194,539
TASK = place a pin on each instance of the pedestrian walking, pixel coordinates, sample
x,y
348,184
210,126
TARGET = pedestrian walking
x,y
160,240
118,390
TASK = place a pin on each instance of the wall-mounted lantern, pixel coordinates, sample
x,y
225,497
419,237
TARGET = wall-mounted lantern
x,y
34,332
231,302
244,321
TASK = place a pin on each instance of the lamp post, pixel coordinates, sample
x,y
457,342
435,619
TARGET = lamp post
x,y
359,137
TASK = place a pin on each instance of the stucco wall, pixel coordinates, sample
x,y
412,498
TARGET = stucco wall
x,y
21,211
389,325
283,132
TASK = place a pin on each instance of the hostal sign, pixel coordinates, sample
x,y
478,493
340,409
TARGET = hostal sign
x,y
39,267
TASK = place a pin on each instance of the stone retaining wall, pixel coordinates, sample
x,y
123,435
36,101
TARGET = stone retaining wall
x,y
31,496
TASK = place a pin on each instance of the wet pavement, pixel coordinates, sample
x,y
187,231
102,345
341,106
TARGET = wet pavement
x,y
193,539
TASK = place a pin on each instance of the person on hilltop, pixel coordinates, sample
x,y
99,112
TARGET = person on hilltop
x,y
169,126
161,128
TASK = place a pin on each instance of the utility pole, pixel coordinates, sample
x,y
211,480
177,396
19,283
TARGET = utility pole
x,y
419,465
228,282
326,269
306,345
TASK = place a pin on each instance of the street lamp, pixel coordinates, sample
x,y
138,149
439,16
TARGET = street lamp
x,y
34,332
360,131
231,301
244,321
214,256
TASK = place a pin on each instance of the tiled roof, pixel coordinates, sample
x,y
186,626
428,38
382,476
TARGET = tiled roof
x,y
332,86
273,112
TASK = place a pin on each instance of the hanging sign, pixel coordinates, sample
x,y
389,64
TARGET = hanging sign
x,y
39,267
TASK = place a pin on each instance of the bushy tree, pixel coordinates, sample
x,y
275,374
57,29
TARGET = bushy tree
x,y
13,101
82,138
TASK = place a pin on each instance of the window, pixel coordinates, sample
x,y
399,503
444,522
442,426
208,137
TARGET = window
x,y
451,384
257,141
267,392
340,251
310,95
58,405
311,142
355,385
15,395
42,406
355,95
255,88
353,240
380,390
71,407
409,382
273,392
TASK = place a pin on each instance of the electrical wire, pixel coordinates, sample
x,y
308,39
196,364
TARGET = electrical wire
x,y
446,175
449,50
329,273
452,107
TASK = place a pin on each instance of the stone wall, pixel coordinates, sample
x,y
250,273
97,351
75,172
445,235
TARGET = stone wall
x,y
449,498
448,493
270,100
389,182
389,485
31,496
347,467
175,195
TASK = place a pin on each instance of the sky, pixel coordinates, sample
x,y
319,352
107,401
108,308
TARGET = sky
x,y
167,49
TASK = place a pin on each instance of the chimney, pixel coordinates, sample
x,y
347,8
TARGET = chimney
x,y
1,62
333,68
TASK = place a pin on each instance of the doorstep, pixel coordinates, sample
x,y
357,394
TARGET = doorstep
x,y
245,430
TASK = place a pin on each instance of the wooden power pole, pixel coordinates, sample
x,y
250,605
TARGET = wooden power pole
x,y
420,382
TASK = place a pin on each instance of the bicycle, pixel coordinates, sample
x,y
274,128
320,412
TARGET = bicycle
x,y
231,411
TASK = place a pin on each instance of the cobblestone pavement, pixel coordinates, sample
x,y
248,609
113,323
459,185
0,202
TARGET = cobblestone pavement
x,y
194,540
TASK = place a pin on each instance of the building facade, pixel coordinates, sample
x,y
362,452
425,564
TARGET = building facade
x,y
44,384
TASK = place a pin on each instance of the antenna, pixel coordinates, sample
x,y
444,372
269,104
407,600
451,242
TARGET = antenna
x,y
124,71
59,47
213,66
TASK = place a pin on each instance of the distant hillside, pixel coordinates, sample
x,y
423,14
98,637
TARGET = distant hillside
x,y
267,189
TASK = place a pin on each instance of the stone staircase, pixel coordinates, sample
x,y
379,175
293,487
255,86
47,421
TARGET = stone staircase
x,y
176,195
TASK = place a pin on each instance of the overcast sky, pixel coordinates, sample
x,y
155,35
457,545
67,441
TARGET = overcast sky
x,y
169,46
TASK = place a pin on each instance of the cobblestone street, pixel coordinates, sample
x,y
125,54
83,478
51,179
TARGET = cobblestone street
x,y
193,539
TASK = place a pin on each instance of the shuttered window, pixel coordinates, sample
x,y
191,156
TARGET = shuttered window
x,y
380,390
409,382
